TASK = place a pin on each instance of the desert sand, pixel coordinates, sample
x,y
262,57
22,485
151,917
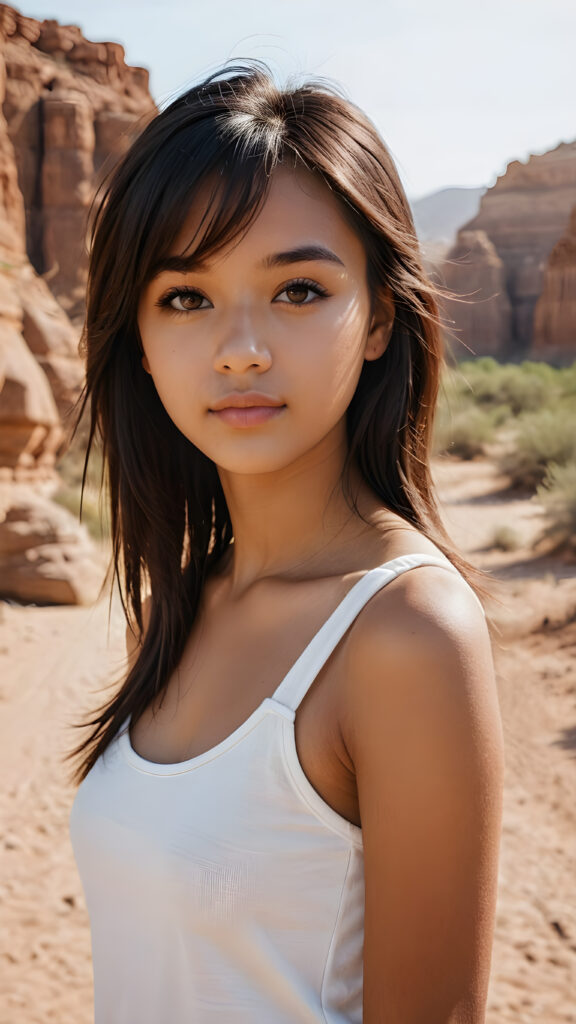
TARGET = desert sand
x,y
57,662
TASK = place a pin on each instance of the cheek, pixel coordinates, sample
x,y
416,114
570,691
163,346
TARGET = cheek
x,y
160,344
333,356
179,382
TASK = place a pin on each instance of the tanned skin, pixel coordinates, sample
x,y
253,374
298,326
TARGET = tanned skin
x,y
400,732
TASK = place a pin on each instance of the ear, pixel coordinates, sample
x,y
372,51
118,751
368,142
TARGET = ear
x,y
146,364
381,326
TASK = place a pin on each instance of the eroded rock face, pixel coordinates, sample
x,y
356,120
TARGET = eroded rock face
x,y
46,556
30,431
523,215
50,337
477,274
555,314
68,109
71,107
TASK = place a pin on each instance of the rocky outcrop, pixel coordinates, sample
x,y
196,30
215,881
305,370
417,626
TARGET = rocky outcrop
x,y
67,111
555,314
71,108
50,337
523,215
46,556
482,311
30,428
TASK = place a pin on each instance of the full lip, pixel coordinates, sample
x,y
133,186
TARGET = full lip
x,y
244,400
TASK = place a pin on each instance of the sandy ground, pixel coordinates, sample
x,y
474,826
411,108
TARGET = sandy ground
x,y
56,662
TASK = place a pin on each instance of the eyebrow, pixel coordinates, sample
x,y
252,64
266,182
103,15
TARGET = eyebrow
x,y
300,254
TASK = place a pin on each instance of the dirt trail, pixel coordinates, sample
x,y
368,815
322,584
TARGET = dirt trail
x,y
54,660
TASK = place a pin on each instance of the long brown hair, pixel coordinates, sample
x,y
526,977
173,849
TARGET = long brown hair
x,y
169,519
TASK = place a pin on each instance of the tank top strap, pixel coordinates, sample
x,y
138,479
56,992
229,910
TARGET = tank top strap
x,y
297,682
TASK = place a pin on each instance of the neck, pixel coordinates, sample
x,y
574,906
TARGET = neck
x,y
295,521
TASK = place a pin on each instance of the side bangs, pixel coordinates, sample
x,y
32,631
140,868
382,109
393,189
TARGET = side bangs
x,y
232,189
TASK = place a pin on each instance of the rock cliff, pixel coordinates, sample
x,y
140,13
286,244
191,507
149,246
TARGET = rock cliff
x,y
67,110
71,107
523,216
478,276
555,314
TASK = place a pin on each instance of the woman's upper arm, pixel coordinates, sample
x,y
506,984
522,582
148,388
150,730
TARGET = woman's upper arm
x,y
424,733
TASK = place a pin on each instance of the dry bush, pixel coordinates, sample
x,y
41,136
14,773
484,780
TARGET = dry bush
x,y
540,439
557,493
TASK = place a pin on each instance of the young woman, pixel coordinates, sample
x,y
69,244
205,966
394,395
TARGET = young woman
x,y
290,811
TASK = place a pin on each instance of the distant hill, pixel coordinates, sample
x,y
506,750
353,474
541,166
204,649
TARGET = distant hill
x,y
439,215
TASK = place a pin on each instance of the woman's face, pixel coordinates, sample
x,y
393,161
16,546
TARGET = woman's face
x,y
284,312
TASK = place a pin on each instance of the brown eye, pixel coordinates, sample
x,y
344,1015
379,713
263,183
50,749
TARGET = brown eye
x,y
301,293
297,292
187,298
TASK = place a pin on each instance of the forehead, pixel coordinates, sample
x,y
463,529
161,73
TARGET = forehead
x,y
299,208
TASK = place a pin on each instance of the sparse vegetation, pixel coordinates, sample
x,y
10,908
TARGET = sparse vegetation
x,y
558,495
465,432
523,388
508,388
505,538
526,413
540,440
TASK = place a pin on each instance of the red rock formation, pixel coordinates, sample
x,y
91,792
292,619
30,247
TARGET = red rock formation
x,y
524,215
482,315
30,429
45,556
71,107
555,314
67,110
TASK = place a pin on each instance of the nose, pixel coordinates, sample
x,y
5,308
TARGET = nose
x,y
242,347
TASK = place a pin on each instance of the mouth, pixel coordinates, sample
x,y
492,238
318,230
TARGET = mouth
x,y
248,415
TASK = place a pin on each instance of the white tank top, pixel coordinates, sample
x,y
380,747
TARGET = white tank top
x,y
224,889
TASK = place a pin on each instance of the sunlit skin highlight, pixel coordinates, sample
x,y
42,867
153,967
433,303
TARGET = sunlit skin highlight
x,y
297,332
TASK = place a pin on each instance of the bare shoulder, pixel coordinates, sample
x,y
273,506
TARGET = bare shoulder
x,y
431,600
435,598
422,638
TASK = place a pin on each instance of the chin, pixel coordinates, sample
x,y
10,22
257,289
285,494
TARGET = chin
x,y
254,462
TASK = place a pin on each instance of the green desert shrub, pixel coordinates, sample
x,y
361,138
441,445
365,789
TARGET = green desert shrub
x,y
463,432
505,538
540,439
526,387
557,493
567,378
502,415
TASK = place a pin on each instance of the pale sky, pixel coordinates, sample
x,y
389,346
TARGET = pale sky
x,y
456,89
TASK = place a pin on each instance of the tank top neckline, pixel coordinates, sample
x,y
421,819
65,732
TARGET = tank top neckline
x,y
273,703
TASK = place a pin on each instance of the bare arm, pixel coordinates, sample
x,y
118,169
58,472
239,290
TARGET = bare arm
x,y
425,735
